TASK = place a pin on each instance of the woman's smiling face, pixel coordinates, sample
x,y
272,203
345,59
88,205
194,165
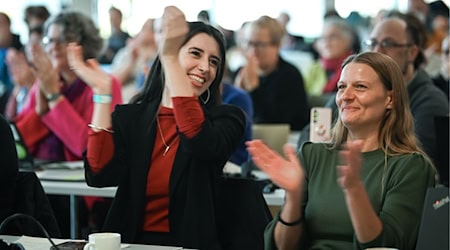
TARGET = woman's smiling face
x,y
200,57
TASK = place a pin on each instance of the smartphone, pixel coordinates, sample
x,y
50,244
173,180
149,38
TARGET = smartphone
x,y
70,245
320,124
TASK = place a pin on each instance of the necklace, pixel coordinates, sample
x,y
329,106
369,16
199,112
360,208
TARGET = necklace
x,y
163,140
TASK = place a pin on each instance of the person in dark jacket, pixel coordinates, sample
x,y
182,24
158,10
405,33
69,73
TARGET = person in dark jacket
x,y
166,149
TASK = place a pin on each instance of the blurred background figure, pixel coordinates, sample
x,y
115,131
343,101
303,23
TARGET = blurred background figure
x,y
132,62
275,85
438,29
441,80
19,67
337,41
7,40
289,41
117,39
35,16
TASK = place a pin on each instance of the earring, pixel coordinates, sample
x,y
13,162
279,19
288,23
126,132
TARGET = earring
x,y
207,98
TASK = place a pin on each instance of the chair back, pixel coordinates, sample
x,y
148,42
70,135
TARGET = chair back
x,y
243,214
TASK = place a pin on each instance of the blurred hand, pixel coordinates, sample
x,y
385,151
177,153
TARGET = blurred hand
x,y
349,174
248,76
287,173
174,29
90,71
43,70
21,73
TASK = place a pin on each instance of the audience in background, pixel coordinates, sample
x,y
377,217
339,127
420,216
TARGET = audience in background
x,y
355,192
35,16
54,121
442,79
118,38
19,67
166,150
438,29
334,45
403,37
7,40
134,59
276,86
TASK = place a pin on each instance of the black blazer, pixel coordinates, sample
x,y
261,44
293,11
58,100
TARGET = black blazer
x,y
194,181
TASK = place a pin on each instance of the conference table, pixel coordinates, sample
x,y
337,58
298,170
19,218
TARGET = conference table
x,y
37,243
68,179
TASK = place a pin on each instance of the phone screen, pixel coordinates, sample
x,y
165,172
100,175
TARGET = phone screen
x,y
70,245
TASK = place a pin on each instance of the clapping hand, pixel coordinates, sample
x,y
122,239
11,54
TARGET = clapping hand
x,y
43,69
349,173
89,71
174,30
287,173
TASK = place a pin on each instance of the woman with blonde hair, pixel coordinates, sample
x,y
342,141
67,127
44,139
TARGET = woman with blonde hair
x,y
367,187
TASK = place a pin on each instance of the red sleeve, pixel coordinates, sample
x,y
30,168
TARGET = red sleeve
x,y
188,115
100,149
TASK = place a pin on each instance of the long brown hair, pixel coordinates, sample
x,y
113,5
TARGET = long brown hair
x,y
396,132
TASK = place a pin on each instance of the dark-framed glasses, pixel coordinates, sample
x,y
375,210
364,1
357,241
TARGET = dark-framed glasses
x,y
258,44
385,44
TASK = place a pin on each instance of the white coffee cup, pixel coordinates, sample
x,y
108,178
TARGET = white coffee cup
x,y
103,241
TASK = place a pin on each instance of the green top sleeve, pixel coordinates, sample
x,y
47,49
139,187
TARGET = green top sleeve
x,y
396,186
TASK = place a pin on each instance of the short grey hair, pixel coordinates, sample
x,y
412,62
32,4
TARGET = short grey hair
x,y
77,27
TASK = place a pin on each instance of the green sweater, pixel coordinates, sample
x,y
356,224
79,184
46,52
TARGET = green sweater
x,y
327,221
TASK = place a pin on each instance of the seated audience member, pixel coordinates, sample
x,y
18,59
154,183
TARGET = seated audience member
x,y
35,16
20,70
403,37
356,191
334,45
442,79
54,122
7,40
166,149
23,78
276,86
118,38
132,60
239,97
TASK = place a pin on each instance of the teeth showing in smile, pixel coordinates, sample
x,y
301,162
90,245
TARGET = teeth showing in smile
x,y
197,79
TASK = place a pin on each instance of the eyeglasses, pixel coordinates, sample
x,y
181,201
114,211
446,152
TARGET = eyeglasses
x,y
258,45
385,44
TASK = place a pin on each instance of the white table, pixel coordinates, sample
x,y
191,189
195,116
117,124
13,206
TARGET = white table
x,y
36,243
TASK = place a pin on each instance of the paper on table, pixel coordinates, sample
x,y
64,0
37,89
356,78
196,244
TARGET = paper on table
x,y
61,175
63,165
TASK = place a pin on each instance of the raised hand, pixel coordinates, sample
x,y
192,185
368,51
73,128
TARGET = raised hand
x,y
349,173
44,70
89,71
174,30
287,173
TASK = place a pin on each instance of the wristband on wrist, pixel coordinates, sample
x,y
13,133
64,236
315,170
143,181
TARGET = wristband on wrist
x,y
104,99
290,224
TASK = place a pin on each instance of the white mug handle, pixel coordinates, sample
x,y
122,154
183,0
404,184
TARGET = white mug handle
x,y
88,245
